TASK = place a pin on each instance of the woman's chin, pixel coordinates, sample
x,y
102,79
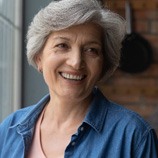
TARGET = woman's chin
x,y
73,94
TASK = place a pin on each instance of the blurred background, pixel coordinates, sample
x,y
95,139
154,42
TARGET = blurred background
x,y
21,85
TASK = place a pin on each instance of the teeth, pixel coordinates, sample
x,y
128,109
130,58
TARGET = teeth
x,y
72,77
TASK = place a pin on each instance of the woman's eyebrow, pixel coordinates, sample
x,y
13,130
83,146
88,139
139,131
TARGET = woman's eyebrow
x,y
60,37
95,42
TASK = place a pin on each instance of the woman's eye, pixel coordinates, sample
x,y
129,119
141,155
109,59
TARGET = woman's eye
x,y
93,51
62,46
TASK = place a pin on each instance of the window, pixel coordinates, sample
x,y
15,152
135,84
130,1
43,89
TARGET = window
x,y
10,56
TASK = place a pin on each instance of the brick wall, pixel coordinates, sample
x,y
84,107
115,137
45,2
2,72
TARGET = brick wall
x,y
138,92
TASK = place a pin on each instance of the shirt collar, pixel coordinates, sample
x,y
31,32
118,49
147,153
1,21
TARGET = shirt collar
x,y
95,116
28,120
97,111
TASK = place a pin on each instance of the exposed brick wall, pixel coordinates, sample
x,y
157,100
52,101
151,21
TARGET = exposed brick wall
x,y
138,92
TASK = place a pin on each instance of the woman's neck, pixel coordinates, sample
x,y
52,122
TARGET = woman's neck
x,y
66,112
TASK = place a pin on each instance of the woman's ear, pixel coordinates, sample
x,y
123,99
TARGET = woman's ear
x,y
38,61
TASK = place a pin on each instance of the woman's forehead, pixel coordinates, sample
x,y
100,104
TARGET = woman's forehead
x,y
88,30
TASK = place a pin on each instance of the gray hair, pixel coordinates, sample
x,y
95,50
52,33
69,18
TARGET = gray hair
x,y
65,13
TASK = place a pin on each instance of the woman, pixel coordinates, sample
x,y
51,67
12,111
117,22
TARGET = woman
x,y
75,44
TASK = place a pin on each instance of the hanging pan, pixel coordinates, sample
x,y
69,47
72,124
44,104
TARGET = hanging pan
x,y
136,53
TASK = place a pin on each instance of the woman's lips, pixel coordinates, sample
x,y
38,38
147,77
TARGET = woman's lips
x,y
71,76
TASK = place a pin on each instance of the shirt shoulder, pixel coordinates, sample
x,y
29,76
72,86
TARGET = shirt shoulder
x,y
105,113
15,117
23,115
126,116
130,127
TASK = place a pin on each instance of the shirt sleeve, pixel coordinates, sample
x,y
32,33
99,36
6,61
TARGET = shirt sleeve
x,y
148,147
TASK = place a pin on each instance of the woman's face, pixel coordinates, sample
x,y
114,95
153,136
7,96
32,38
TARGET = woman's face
x,y
72,60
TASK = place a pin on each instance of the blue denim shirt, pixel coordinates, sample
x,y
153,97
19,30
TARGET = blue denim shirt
x,y
108,131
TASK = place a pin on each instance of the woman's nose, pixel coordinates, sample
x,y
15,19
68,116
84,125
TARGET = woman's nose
x,y
75,59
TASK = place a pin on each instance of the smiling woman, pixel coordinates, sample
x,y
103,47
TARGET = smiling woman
x,y
73,59
76,44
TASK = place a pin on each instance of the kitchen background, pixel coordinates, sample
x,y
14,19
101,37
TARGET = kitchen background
x,y
21,85
138,91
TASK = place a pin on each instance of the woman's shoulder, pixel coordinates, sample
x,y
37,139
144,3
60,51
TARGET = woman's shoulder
x,y
119,114
16,117
127,116
24,114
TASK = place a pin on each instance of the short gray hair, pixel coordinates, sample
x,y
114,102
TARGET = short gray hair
x,y
65,13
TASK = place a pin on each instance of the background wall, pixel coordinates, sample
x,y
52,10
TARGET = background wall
x,y
138,92
33,87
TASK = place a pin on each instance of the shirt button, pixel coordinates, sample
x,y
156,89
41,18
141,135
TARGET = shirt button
x,y
82,129
73,143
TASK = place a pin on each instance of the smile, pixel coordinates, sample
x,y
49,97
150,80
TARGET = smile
x,y
72,77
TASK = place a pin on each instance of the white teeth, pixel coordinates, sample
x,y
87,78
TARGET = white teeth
x,y
72,77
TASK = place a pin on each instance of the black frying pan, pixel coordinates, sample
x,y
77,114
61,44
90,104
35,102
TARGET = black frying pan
x,y
136,53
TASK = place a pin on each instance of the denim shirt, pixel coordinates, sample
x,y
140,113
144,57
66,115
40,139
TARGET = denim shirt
x,y
108,131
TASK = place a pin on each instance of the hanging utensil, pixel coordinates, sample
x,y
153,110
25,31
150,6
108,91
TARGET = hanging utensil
x,y
136,53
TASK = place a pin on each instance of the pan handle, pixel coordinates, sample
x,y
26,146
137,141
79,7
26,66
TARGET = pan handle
x,y
128,15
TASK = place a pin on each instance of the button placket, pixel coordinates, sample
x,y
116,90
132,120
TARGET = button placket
x,y
75,137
